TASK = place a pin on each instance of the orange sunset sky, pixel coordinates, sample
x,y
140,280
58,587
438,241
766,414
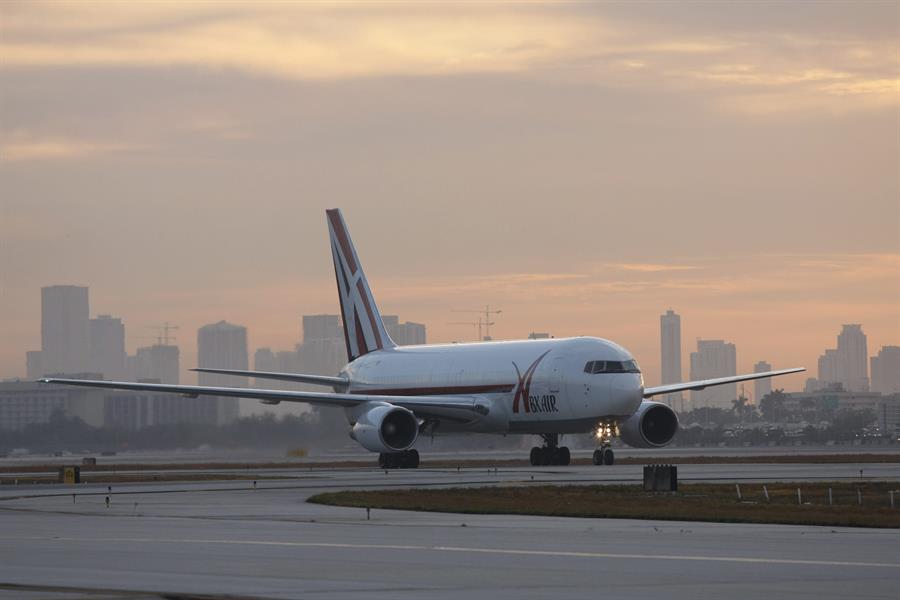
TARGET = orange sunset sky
x,y
581,166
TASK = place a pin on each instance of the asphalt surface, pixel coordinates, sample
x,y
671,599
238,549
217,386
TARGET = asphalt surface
x,y
228,539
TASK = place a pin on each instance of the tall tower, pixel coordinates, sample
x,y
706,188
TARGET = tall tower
x,y
670,348
65,335
853,355
886,370
714,358
763,386
107,347
223,346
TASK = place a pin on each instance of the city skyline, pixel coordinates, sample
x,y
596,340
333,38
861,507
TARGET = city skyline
x,y
161,361
321,350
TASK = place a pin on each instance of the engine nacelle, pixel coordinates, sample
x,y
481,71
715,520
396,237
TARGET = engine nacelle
x,y
386,428
651,426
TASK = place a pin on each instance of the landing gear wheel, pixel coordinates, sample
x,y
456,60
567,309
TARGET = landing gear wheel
x,y
535,456
563,457
608,457
408,459
603,456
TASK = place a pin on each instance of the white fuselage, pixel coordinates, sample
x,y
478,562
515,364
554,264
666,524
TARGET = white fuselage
x,y
532,386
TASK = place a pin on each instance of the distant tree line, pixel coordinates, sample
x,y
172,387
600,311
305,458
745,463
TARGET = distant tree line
x,y
771,422
62,433
316,430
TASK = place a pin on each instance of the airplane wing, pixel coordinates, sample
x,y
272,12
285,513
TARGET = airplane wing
x,y
459,408
705,383
295,377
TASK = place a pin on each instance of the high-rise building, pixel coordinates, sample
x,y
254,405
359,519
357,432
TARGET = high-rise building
x,y
107,347
283,361
159,362
223,346
65,333
264,360
324,351
886,370
33,364
714,358
538,335
670,349
828,368
404,334
847,364
853,356
763,386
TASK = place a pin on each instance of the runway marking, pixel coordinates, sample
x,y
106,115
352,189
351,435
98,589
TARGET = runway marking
x,y
475,550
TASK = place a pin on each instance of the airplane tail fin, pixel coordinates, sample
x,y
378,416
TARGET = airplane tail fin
x,y
364,330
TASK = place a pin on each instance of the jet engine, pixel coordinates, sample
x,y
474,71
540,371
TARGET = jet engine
x,y
386,428
652,425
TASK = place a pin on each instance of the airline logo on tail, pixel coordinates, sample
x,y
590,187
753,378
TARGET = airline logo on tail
x,y
364,330
523,388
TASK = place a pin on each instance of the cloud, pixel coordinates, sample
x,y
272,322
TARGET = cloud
x,y
25,147
755,71
652,267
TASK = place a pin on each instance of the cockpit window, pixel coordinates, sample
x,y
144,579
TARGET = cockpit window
x,y
611,366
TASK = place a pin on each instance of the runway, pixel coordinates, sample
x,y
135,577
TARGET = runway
x,y
227,538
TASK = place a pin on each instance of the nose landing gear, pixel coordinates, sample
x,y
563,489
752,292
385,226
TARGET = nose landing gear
x,y
550,453
604,454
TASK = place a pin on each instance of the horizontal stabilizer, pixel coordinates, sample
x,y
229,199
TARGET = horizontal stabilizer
x,y
705,383
338,382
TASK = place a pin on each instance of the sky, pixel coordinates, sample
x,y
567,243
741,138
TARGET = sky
x,y
581,166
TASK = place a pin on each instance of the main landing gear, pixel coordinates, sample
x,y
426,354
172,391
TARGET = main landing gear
x,y
408,459
550,453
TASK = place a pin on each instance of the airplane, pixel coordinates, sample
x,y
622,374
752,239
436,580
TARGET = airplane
x,y
393,394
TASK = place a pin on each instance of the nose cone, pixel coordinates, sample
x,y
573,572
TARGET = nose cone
x,y
626,391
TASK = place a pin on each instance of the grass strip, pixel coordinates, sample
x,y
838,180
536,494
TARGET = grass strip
x,y
693,502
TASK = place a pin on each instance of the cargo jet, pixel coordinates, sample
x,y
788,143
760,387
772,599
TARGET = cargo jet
x,y
392,394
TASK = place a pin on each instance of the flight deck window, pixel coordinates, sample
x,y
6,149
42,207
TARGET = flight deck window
x,y
611,366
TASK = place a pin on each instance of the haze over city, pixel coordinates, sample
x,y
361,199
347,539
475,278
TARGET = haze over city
x,y
582,167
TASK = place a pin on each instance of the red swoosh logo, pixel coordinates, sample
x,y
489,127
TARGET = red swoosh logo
x,y
524,385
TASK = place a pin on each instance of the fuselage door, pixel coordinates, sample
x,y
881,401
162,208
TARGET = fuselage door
x,y
556,376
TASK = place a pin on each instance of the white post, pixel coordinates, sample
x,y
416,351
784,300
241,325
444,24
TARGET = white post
x,y
737,486
830,499
766,493
799,497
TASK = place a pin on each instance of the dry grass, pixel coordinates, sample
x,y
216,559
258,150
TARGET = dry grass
x,y
693,502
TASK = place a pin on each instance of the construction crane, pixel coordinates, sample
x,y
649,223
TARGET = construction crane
x,y
164,337
477,324
484,321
